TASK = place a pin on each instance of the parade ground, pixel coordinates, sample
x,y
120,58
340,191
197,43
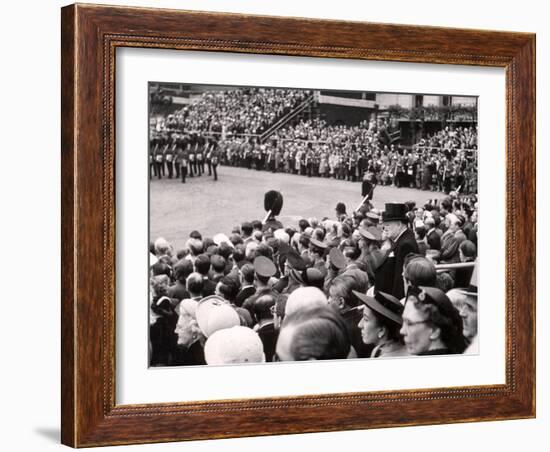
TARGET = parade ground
x,y
209,206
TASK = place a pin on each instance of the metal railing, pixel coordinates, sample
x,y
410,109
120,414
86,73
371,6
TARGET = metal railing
x,y
285,119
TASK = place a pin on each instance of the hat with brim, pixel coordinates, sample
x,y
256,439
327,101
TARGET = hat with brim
x,y
337,259
264,266
371,233
318,244
395,212
373,216
384,304
214,313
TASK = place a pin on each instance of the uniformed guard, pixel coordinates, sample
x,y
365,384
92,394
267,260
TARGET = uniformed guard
x,y
214,161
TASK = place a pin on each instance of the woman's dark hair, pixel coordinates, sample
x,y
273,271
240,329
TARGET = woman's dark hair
x,y
440,313
319,333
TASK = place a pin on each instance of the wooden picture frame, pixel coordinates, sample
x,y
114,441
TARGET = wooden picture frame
x,y
90,36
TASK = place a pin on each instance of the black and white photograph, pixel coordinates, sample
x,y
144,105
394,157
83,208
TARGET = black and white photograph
x,y
292,224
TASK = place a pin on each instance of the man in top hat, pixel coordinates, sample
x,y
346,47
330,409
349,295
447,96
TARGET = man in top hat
x,y
389,274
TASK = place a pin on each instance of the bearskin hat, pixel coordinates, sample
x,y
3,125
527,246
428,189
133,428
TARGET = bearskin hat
x,y
273,200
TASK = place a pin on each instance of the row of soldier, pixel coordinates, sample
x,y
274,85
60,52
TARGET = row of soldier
x,y
363,285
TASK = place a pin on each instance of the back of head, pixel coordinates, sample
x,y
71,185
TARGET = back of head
x,y
247,271
202,264
420,271
160,268
162,246
344,285
229,287
264,250
182,270
195,246
246,228
303,224
218,263
194,283
469,250
239,253
225,250
262,307
420,232
316,333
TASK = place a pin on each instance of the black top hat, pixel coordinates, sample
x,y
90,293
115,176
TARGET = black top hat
x,y
384,304
395,212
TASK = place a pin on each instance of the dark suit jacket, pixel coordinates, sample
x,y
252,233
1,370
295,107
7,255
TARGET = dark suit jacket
x,y
244,294
434,240
389,275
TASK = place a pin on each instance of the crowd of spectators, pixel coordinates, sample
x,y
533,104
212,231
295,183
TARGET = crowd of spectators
x,y
238,111
359,285
445,162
